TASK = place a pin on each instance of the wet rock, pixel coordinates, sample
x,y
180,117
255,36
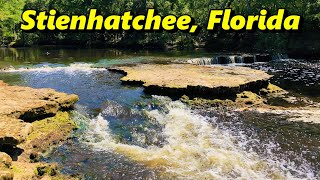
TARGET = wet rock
x,y
273,90
248,58
47,169
176,80
302,114
115,110
244,101
47,133
263,58
25,170
249,98
224,60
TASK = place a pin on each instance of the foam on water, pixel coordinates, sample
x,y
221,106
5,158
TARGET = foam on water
x,y
194,149
46,68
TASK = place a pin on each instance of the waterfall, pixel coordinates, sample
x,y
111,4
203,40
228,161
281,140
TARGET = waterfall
x,y
279,56
238,59
201,61
232,59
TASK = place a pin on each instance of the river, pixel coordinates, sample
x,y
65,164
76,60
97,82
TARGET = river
x,y
127,134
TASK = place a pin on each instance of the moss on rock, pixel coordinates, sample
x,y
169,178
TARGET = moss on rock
x,y
207,102
49,132
272,90
25,133
249,98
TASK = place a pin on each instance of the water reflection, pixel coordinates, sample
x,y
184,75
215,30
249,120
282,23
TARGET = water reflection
x,y
51,54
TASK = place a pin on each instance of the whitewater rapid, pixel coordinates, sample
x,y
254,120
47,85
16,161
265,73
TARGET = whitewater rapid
x,y
194,148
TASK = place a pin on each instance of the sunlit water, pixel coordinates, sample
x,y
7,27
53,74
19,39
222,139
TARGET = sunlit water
x,y
126,134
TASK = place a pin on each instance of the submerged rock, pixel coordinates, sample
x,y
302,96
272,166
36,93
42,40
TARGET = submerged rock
x,y
176,80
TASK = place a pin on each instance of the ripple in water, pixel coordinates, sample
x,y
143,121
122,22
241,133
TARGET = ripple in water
x,y
182,143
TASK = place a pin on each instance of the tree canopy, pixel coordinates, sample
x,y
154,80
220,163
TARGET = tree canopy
x,y
11,11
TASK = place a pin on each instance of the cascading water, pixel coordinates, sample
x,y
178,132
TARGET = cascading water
x,y
193,149
160,139
226,59
237,59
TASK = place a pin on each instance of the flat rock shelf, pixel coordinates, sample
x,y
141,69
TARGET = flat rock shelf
x,y
209,82
31,122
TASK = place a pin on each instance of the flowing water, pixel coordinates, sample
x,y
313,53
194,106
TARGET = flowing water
x,y
126,134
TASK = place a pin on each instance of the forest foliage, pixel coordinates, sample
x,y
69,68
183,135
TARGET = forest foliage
x,y
10,18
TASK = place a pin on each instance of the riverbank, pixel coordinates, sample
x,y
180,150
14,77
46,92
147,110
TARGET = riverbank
x,y
299,47
32,122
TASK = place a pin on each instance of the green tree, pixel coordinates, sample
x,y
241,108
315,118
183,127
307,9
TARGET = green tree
x,y
9,18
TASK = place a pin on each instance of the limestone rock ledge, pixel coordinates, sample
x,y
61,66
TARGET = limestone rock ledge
x,y
31,122
300,110
31,104
209,82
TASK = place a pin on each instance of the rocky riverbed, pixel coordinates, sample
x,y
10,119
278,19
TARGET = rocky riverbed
x,y
233,87
128,131
31,122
